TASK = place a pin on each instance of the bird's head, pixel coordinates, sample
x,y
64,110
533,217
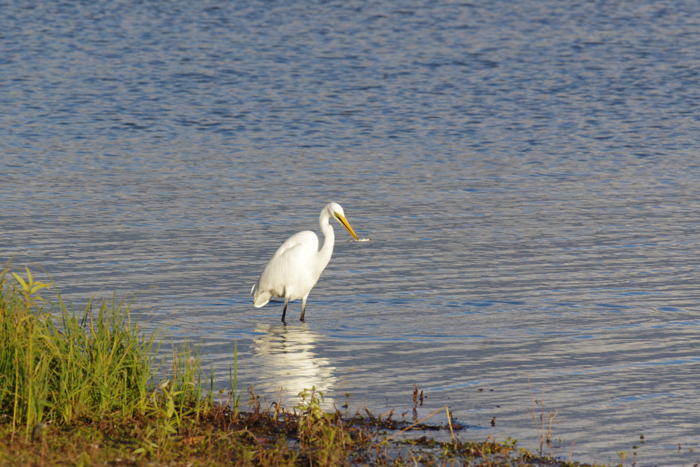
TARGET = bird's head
x,y
335,210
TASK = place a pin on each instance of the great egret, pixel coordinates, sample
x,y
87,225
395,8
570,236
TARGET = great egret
x,y
296,266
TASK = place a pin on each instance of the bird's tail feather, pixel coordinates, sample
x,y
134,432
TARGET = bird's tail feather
x,y
261,299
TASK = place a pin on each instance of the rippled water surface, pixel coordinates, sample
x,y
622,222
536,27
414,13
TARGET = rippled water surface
x,y
527,171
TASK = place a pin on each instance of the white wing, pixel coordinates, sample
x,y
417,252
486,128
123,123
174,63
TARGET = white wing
x,y
307,239
289,270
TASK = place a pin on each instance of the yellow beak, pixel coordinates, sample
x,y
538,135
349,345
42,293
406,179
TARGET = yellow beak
x,y
346,224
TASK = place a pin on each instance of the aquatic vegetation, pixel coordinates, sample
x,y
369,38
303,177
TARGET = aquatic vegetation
x,y
544,437
67,366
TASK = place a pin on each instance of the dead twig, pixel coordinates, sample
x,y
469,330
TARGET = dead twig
x,y
449,421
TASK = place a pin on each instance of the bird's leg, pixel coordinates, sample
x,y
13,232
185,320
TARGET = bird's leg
x,y
284,310
303,307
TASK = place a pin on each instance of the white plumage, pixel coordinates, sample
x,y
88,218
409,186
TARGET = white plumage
x,y
297,265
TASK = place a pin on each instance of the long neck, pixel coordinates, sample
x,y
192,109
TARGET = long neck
x,y
327,248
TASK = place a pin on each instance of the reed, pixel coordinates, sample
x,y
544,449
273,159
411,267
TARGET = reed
x,y
61,365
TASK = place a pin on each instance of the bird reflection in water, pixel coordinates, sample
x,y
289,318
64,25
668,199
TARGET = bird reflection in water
x,y
285,358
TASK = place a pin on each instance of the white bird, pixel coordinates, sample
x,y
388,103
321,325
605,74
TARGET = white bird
x,y
296,266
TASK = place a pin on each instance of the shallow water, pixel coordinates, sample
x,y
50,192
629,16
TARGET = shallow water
x,y
527,173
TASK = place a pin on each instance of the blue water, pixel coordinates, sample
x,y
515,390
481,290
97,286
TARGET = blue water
x,y
527,172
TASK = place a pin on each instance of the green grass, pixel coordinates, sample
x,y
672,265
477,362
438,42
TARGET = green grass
x,y
66,366
83,388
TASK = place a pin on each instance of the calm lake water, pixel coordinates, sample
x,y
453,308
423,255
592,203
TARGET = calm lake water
x,y
528,172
